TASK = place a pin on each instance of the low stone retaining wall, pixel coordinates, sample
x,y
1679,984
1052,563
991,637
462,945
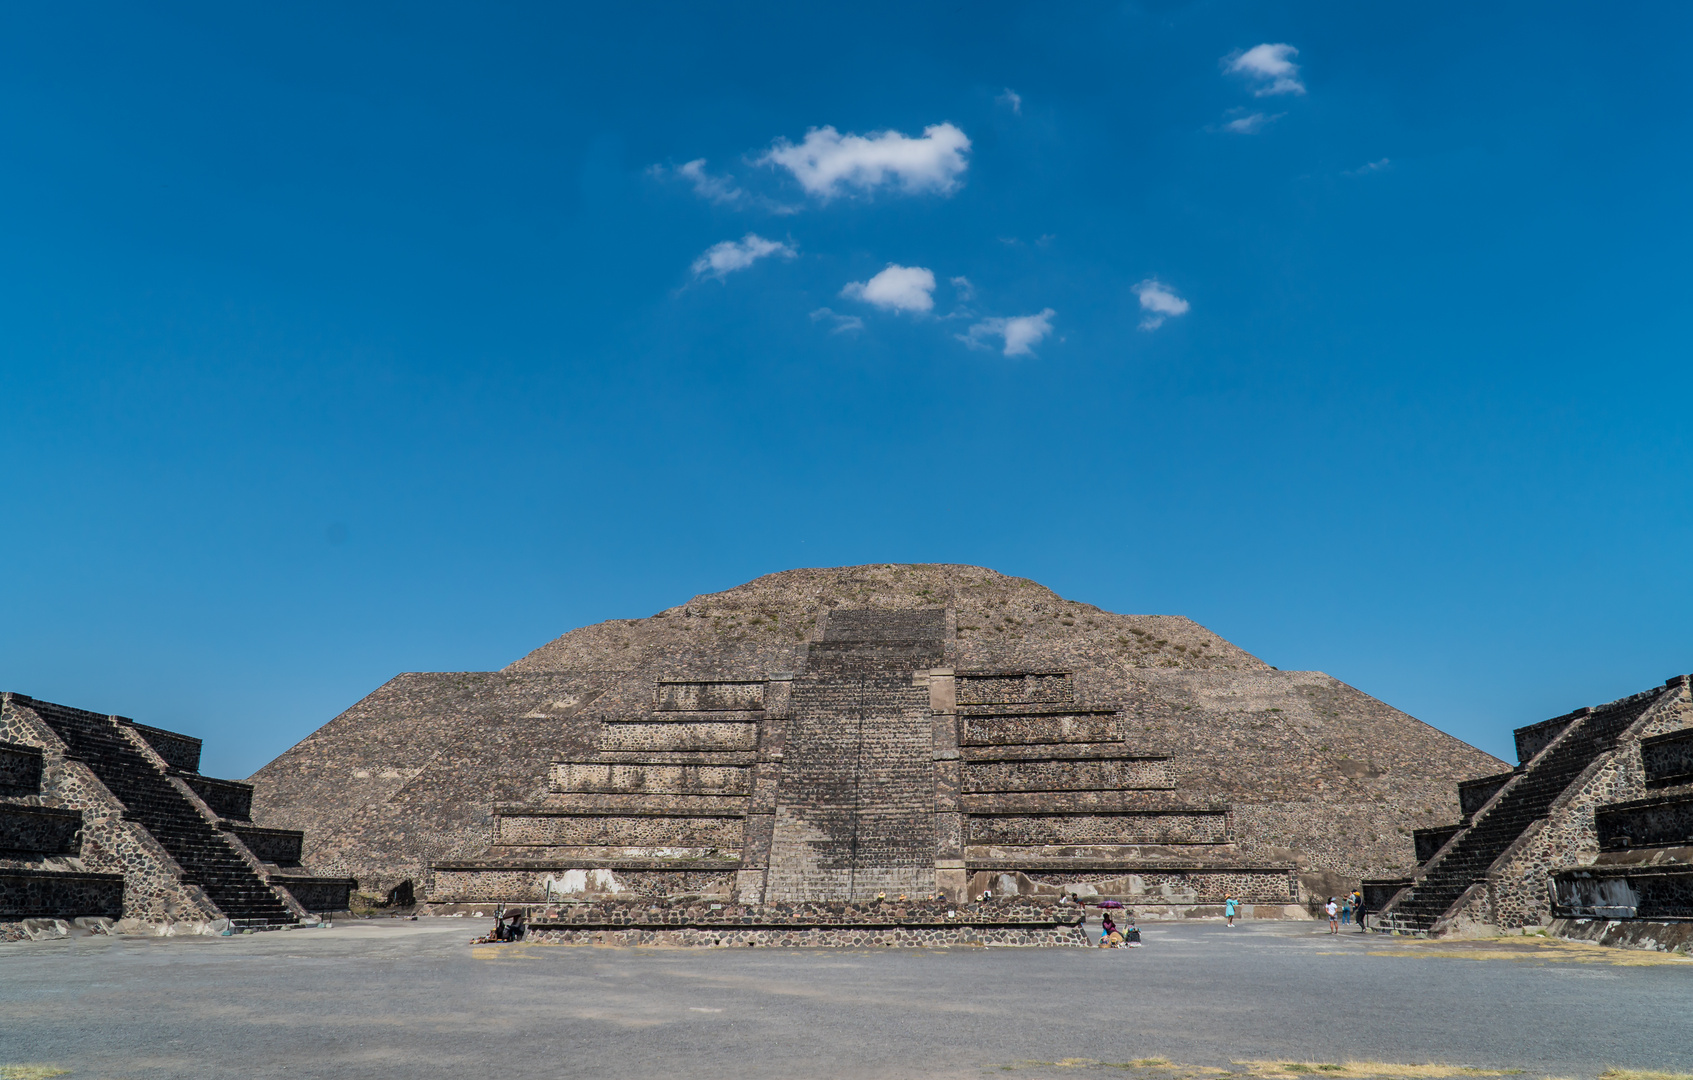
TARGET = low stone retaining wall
x,y
828,925
28,894
1656,935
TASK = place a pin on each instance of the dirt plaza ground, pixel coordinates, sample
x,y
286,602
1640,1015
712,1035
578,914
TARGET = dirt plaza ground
x,y
1271,1001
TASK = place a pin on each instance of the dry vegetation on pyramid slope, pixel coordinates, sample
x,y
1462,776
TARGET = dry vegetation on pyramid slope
x,y
997,615
1314,771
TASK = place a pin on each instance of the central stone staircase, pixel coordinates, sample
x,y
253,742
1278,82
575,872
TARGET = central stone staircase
x,y
857,813
151,800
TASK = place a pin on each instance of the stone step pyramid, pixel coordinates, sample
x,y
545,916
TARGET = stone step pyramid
x,y
831,735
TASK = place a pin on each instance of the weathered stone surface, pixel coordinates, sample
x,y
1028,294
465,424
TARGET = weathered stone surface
x,y
867,707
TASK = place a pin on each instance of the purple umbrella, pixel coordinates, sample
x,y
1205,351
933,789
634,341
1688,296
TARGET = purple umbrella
x,y
1109,903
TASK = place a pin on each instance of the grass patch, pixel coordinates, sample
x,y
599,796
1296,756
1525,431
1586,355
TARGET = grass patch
x,y
1642,1074
42,1072
1157,1068
1546,949
1382,1069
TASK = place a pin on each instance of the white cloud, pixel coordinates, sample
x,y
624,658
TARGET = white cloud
x,y
841,324
1249,124
828,162
717,189
1020,332
722,259
1270,66
963,287
1013,99
898,288
1371,167
1159,303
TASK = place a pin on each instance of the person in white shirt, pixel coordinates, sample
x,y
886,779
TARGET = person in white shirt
x,y
1334,916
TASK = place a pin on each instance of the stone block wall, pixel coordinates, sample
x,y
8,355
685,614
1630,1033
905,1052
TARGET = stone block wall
x,y
1474,794
36,894
39,830
1668,759
320,895
1430,841
1537,737
997,729
1153,827
1014,687
680,735
181,752
281,847
1068,774
819,925
602,830
1171,885
20,770
710,696
228,798
480,884
1661,820
650,778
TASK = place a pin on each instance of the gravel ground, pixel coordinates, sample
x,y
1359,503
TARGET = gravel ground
x,y
397,998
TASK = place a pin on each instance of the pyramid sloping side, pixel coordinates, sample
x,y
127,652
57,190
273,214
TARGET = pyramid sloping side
x,y
1315,771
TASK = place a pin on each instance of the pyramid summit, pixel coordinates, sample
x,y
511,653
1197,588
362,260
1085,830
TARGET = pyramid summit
x,y
835,734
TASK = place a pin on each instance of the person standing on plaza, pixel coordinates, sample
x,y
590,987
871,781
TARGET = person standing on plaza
x,y
1346,910
1358,908
1334,916
1228,909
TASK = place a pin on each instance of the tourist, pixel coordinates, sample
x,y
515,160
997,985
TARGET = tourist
x,y
1358,908
1228,909
1346,911
1334,916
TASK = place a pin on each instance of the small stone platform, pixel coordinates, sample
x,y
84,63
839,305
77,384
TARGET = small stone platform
x,y
1591,834
837,925
106,820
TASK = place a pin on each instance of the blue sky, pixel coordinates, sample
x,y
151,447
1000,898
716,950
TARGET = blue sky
x,y
345,340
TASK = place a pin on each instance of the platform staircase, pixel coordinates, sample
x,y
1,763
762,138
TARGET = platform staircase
x,y
151,800
1439,890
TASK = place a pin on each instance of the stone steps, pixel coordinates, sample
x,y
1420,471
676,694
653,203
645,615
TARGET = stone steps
x,y
152,801
1525,799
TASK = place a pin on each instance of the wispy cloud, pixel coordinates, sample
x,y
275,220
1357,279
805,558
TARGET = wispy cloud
x,y
838,323
1020,333
717,189
1269,67
1159,302
965,290
898,288
828,163
1371,167
722,190
722,259
1012,100
1245,123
